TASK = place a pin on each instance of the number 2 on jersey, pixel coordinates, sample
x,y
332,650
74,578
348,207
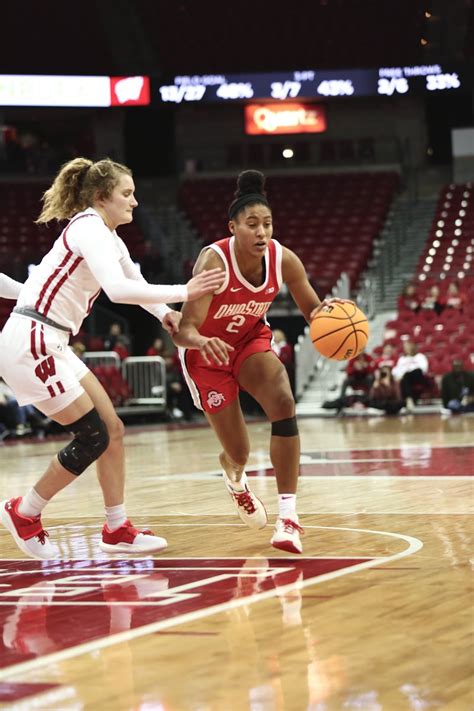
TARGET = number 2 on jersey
x,y
235,324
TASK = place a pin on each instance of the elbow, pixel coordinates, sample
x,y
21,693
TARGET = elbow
x,y
113,294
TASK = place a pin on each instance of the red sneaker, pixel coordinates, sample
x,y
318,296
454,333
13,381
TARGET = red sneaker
x,y
128,539
27,532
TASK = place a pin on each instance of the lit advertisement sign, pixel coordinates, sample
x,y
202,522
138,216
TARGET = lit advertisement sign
x,y
74,91
310,84
270,119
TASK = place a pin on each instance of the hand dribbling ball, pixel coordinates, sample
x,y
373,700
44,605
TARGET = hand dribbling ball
x,y
339,331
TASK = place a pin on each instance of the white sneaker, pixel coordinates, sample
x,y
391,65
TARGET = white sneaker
x,y
286,535
27,532
249,507
128,539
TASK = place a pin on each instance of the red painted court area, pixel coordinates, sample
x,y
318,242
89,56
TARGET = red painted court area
x,y
50,606
422,460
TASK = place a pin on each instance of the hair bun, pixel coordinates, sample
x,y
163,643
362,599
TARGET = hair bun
x,y
250,181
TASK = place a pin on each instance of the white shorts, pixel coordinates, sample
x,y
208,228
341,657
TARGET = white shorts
x,y
38,365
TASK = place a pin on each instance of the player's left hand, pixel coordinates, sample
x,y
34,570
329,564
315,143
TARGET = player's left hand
x,y
171,322
327,302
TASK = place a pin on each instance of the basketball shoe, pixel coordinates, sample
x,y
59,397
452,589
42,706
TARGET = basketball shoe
x,y
249,507
128,539
286,535
27,532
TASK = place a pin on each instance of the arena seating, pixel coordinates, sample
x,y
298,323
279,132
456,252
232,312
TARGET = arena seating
x,y
217,47
329,220
447,258
29,27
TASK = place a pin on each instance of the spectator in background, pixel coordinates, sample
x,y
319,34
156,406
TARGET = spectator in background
x,y
433,301
457,389
387,357
178,399
385,392
78,348
285,353
158,348
360,372
454,298
117,341
409,299
20,419
359,377
410,371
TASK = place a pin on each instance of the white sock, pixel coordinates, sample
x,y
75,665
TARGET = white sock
x,y
32,504
287,506
115,515
238,485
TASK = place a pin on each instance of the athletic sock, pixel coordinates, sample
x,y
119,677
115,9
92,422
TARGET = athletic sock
x,y
116,516
287,505
32,504
238,485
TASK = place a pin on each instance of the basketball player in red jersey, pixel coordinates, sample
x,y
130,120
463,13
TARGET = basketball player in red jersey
x,y
225,344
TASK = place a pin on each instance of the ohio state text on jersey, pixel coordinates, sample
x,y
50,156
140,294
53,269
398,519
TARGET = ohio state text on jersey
x,y
238,305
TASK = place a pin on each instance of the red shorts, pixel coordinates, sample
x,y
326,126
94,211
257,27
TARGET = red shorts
x,y
213,387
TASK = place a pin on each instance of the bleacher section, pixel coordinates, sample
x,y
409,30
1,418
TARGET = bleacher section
x,y
329,220
447,258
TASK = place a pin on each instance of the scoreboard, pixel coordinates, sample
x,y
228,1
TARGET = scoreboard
x,y
307,84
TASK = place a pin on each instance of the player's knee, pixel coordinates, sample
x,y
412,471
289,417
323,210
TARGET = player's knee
x,y
91,439
285,428
116,430
283,405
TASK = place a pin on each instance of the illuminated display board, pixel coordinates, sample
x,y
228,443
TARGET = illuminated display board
x,y
269,119
314,84
75,91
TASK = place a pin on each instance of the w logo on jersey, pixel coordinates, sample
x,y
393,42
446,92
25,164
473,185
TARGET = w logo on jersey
x,y
45,369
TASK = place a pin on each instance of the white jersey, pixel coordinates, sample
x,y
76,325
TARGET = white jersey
x,y
85,258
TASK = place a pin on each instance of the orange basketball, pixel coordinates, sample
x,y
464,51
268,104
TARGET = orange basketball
x,y
340,331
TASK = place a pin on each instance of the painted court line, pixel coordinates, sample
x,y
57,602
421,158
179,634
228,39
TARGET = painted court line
x,y
414,545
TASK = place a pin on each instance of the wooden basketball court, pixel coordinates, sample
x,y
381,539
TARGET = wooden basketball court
x,y
377,614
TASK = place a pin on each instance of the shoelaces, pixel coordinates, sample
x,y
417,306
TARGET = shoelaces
x,y
244,499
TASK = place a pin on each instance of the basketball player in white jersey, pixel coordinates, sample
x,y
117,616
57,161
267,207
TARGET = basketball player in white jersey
x,y
40,368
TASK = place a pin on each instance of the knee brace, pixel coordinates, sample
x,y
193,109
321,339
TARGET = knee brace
x,y
91,439
285,428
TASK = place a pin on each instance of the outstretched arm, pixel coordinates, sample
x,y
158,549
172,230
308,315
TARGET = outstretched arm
x,y
98,247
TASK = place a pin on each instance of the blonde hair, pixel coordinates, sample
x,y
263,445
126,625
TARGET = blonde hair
x,y
76,186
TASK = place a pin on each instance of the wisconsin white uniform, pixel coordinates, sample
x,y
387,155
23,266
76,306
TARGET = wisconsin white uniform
x,y
35,359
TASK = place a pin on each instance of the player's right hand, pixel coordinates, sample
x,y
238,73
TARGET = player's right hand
x,y
213,350
206,282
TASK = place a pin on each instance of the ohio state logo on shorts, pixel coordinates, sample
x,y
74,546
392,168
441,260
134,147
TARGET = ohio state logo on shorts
x,y
214,399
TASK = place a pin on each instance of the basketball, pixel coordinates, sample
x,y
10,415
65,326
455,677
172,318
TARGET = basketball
x,y
340,331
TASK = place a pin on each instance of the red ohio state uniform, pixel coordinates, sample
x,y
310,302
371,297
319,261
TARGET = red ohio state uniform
x,y
237,315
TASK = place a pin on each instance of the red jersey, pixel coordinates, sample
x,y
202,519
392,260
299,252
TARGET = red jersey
x,y
238,306
237,315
